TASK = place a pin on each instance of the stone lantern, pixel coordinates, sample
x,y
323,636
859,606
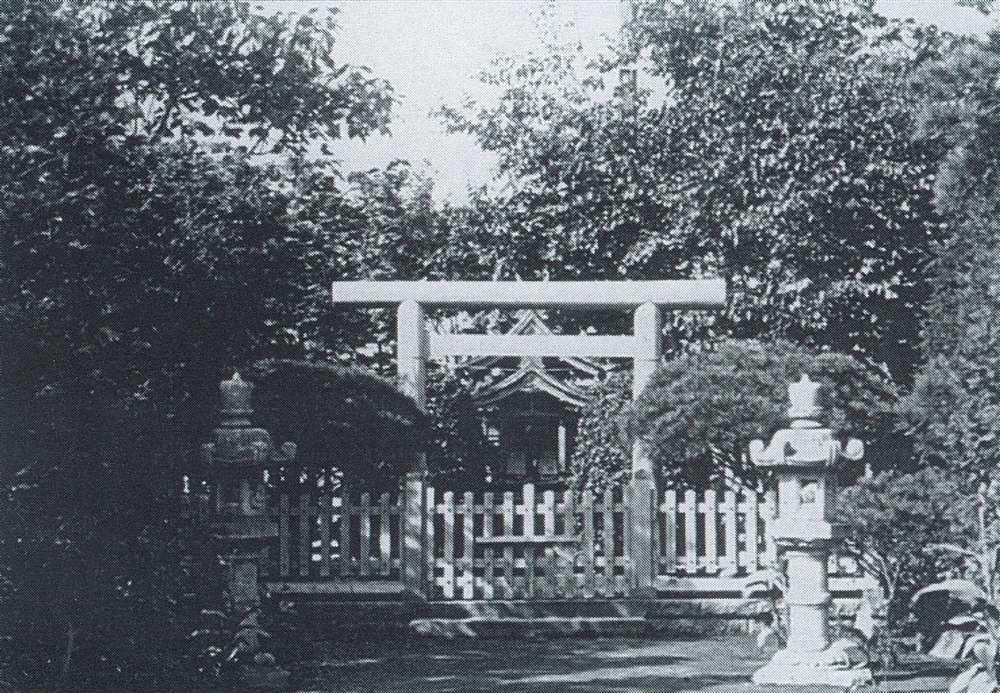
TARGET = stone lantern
x,y
235,464
804,458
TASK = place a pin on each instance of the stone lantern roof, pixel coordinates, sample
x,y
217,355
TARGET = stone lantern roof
x,y
805,443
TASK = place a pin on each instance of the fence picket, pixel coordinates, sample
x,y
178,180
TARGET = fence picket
x,y
730,563
448,580
608,543
768,515
669,549
752,514
549,553
510,582
528,510
468,537
305,543
489,552
588,589
365,535
567,582
325,517
619,555
429,552
711,509
691,531
345,536
384,537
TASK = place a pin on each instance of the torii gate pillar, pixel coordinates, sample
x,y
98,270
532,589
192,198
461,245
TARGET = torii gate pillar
x,y
645,347
411,367
642,488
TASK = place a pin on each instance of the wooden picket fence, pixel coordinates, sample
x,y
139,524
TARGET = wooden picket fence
x,y
523,544
714,533
324,535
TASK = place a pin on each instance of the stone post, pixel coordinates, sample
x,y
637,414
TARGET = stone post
x,y
412,352
803,459
642,488
241,530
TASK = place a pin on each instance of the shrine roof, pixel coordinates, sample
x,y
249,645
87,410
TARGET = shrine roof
x,y
531,377
531,323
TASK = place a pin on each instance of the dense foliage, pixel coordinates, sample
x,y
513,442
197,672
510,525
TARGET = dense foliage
x,y
145,252
771,147
955,407
602,453
893,522
147,248
340,418
458,451
700,411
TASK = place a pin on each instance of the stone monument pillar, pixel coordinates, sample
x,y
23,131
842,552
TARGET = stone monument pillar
x,y
234,464
804,458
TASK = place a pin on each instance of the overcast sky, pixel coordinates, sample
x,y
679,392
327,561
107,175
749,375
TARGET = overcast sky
x,y
432,50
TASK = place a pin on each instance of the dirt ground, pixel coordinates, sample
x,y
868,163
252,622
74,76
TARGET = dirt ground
x,y
564,665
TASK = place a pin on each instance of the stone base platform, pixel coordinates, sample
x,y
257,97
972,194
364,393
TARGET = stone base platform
x,y
841,665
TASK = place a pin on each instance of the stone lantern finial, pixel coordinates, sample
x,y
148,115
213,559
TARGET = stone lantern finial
x,y
236,410
804,399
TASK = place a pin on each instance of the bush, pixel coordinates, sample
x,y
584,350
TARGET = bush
x,y
341,418
458,453
700,411
893,521
603,452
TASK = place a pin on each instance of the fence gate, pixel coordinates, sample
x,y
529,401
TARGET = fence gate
x,y
526,544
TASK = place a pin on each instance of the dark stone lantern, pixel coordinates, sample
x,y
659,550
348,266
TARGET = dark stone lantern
x,y
235,464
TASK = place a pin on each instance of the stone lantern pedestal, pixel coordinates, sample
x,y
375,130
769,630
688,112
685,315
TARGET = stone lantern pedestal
x,y
803,459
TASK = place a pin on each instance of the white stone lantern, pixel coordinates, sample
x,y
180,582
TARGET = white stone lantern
x,y
804,459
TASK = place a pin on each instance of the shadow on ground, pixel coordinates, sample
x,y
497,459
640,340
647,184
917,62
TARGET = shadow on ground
x,y
609,665
390,664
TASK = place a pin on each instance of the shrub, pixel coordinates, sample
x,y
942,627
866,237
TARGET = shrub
x,y
700,411
893,521
458,452
603,452
347,419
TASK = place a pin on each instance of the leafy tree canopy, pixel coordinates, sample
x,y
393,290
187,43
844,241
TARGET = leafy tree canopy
x,y
772,148
954,408
144,251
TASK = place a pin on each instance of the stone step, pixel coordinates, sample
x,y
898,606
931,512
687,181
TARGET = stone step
x,y
548,626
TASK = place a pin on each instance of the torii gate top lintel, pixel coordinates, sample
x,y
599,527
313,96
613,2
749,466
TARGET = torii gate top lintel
x,y
644,346
671,294
647,298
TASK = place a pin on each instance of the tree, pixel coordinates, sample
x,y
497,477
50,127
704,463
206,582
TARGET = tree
x,y
145,252
775,152
700,411
953,410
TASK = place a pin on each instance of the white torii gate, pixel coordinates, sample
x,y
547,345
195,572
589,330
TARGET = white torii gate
x,y
414,347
